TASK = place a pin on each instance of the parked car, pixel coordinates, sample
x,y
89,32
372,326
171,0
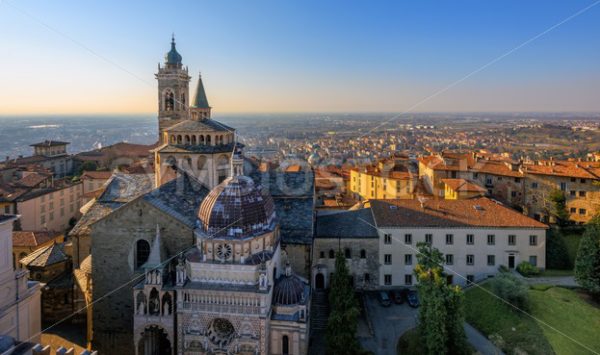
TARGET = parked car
x,y
397,296
412,299
384,299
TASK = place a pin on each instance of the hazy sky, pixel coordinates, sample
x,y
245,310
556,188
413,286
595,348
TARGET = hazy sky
x,y
290,56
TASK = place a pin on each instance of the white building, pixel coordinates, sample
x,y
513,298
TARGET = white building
x,y
20,313
475,235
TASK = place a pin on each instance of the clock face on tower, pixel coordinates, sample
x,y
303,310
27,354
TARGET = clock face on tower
x,y
224,251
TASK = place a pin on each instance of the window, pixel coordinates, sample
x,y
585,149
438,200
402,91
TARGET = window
x,y
573,210
581,193
475,175
491,260
387,239
142,251
563,186
533,240
408,239
285,345
42,219
7,209
488,181
363,254
449,239
573,179
470,239
331,254
387,259
512,239
322,255
348,253
517,179
572,193
387,279
449,279
582,211
470,259
582,181
449,259
408,259
470,279
408,279
513,194
367,277
491,239
429,238
533,260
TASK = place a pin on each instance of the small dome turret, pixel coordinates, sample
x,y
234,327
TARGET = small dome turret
x,y
173,57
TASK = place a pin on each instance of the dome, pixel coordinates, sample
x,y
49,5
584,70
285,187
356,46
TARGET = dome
x,y
288,290
173,57
237,208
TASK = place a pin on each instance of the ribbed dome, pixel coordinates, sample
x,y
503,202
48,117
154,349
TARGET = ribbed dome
x,y
173,57
237,208
288,290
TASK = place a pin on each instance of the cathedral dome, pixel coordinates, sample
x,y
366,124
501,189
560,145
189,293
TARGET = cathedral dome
x,y
288,290
237,208
173,57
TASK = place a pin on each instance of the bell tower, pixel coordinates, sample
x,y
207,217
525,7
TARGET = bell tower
x,y
173,91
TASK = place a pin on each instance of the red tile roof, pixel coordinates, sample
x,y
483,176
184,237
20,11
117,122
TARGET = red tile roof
x,y
32,238
477,212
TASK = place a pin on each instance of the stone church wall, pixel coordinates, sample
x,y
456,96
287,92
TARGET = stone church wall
x,y
113,244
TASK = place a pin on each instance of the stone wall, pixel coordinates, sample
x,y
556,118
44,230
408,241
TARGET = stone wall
x,y
359,266
113,244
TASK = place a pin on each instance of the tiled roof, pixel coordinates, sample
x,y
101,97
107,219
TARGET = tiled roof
x,y
494,167
32,180
208,125
348,224
96,212
45,256
180,198
582,170
439,213
32,238
49,143
97,175
463,185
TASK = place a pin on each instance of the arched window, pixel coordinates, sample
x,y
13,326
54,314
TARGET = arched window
x,y
154,303
169,101
193,140
166,304
285,345
347,253
331,254
201,139
142,251
207,139
187,139
179,139
201,162
173,139
363,254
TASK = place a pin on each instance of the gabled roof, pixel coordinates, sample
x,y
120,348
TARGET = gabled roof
x,y
436,213
347,224
462,185
46,256
32,238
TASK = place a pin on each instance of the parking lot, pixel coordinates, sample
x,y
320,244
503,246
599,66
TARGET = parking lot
x,y
387,324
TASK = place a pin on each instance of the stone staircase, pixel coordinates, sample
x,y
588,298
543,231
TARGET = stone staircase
x,y
319,312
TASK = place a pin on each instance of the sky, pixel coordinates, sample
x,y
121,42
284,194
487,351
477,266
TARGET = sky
x,y
73,57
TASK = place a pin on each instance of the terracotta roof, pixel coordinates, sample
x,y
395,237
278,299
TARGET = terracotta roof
x,y
32,180
463,185
97,175
495,167
436,213
32,238
583,170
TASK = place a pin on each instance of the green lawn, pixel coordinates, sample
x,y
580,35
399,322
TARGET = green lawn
x,y
561,308
555,272
493,317
566,311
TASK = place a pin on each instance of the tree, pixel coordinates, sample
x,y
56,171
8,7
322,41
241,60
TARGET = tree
x,y
343,319
587,262
87,166
558,207
557,256
441,316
